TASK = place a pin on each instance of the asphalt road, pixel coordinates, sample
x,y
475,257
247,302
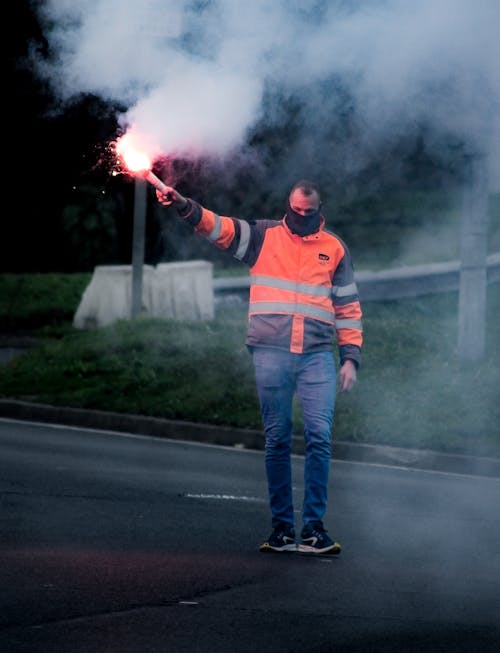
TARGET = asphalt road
x,y
114,543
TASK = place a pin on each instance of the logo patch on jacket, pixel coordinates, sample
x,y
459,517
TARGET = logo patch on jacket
x,y
323,257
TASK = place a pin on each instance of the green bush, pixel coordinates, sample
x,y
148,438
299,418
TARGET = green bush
x,y
31,302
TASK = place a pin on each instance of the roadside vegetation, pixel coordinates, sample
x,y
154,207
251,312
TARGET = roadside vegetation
x,y
412,389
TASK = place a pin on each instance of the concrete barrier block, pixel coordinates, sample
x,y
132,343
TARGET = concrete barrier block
x,y
183,291
108,297
179,291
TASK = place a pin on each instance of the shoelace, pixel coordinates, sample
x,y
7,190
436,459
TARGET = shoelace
x,y
319,533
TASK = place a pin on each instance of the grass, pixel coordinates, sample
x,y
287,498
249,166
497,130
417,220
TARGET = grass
x,y
413,391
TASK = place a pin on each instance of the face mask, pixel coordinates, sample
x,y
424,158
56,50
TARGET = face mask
x,y
303,225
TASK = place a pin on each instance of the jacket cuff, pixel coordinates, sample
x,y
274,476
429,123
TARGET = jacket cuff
x,y
350,352
191,213
187,210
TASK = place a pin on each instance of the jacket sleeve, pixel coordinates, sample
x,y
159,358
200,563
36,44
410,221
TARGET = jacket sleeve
x,y
347,311
239,238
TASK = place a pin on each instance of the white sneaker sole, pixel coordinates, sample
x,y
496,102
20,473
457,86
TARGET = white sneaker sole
x,y
267,548
333,549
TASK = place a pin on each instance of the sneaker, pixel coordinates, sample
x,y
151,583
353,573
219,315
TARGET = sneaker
x,y
282,539
315,540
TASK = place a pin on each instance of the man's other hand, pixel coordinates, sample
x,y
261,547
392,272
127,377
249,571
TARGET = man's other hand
x,y
347,376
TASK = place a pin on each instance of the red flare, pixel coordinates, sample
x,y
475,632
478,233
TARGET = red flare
x,y
137,161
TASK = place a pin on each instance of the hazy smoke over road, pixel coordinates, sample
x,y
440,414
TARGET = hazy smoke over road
x,y
196,76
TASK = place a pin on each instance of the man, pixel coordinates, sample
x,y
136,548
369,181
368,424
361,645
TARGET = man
x,y
302,295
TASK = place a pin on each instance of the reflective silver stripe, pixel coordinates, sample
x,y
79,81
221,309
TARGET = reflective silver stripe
x,y
284,284
349,324
215,233
244,240
290,307
344,291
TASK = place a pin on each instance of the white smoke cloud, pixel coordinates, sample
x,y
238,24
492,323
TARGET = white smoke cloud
x,y
192,73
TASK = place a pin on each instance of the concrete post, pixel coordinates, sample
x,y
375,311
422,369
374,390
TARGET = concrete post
x,y
473,269
138,245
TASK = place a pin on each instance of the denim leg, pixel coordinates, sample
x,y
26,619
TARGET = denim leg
x,y
275,387
316,392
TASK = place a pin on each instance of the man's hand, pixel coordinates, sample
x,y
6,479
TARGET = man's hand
x,y
347,376
171,198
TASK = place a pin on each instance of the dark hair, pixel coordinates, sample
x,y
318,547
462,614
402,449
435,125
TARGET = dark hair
x,y
306,186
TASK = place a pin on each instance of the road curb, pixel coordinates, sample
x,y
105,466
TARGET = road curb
x,y
244,438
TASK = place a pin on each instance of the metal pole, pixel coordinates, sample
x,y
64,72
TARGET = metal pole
x,y
473,269
138,244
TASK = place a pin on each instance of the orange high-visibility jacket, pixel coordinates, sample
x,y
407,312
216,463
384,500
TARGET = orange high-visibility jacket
x,y
302,289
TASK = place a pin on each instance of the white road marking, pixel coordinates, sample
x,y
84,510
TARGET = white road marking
x,y
224,497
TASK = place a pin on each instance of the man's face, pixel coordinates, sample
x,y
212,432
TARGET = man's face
x,y
303,204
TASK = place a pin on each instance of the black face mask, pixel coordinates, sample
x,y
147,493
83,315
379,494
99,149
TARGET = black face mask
x,y
303,225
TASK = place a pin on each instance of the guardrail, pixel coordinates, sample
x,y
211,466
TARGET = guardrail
x,y
408,281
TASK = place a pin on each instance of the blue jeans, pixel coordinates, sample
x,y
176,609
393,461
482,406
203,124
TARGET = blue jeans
x,y
279,375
